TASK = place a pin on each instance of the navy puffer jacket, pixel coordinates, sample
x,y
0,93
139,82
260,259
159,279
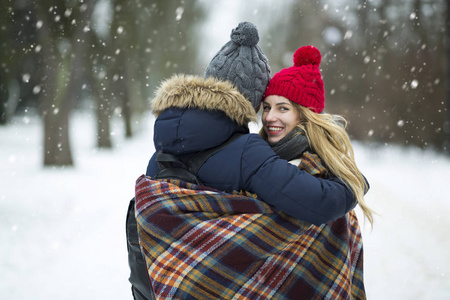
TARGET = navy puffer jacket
x,y
194,114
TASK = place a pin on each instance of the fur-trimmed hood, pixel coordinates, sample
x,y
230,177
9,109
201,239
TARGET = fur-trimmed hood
x,y
189,91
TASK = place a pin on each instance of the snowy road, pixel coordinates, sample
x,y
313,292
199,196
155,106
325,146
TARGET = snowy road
x,y
62,232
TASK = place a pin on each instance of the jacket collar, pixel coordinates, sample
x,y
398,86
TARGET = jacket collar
x,y
189,91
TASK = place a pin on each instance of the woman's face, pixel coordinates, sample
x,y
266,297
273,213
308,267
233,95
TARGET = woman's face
x,y
279,117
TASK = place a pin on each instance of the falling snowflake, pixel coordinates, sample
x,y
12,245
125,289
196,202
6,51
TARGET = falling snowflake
x,y
26,78
67,13
348,34
179,13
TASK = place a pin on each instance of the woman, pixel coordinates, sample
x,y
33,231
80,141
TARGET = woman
x,y
296,128
294,122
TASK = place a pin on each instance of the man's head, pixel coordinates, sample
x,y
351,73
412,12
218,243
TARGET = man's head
x,y
242,62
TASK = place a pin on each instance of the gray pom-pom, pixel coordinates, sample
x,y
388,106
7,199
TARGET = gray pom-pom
x,y
245,34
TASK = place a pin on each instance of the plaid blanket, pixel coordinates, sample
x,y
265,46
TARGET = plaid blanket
x,y
200,243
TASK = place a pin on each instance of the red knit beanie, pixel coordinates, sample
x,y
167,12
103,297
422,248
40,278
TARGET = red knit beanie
x,y
302,83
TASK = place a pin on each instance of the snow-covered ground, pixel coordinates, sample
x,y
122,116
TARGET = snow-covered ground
x,y
62,231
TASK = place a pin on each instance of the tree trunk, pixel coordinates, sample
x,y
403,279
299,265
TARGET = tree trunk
x,y
447,83
62,82
125,18
56,140
103,117
127,113
55,109
4,94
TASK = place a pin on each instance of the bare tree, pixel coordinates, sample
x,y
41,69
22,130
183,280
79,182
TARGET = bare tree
x,y
4,76
19,60
447,81
63,45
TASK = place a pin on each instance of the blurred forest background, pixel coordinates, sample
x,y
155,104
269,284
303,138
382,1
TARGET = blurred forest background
x,y
384,62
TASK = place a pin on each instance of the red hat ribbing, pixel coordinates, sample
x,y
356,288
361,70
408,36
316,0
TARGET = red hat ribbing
x,y
302,83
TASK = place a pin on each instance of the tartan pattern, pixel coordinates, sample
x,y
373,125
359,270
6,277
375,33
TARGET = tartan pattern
x,y
200,243
313,164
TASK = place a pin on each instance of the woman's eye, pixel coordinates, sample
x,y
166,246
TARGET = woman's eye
x,y
266,107
284,108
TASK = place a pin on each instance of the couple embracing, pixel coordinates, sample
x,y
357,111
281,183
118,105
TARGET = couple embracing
x,y
274,217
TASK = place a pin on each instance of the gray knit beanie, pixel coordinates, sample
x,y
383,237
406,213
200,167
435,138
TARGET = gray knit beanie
x,y
242,62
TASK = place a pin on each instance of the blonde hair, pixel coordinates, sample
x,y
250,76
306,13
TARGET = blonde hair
x,y
328,138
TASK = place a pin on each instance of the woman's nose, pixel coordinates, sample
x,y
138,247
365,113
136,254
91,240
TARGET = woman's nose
x,y
270,116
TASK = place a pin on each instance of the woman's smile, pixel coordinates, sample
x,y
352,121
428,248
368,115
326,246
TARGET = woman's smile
x,y
272,131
